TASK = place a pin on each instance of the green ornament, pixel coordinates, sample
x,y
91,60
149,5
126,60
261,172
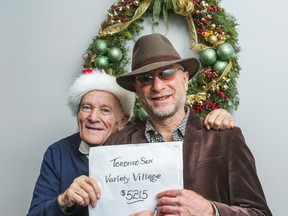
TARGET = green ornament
x,y
114,54
208,56
225,51
142,114
101,62
220,66
100,46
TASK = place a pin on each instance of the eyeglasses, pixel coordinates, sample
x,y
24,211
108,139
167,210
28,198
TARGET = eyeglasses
x,y
165,75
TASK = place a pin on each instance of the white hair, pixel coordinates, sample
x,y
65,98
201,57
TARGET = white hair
x,y
99,80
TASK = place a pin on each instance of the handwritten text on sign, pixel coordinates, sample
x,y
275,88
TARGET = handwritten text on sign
x,y
131,175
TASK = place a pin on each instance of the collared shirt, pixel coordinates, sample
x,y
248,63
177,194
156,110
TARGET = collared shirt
x,y
84,148
152,135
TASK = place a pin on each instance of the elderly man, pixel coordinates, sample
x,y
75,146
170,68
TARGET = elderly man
x,y
102,107
219,171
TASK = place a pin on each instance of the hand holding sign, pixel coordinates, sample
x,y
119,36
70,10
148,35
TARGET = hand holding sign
x,y
82,191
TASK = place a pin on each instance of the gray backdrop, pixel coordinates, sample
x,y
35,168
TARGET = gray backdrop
x,y
41,47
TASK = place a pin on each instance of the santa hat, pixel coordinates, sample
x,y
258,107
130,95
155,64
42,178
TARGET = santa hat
x,y
99,80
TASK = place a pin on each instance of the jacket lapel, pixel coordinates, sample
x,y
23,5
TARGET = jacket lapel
x,y
191,147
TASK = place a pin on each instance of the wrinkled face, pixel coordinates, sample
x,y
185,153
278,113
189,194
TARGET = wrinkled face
x,y
164,95
100,114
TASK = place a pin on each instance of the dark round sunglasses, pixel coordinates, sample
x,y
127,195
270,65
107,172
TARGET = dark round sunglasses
x,y
148,78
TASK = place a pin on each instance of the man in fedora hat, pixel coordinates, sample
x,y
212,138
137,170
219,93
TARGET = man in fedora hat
x,y
219,170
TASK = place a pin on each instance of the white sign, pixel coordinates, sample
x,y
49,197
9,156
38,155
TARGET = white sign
x,y
131,175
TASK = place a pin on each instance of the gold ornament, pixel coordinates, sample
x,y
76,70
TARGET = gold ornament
x,y
110,15
203,3
110,71
136,3
212,39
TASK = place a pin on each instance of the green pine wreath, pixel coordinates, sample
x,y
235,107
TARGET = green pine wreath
x,y
213,35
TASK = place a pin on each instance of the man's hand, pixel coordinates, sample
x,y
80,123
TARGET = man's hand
x,y
82,191
219,119
183,202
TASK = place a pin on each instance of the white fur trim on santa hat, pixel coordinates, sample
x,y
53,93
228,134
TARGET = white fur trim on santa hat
x,y
99,80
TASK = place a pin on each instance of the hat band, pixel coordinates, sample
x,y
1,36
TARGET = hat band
x,y
154,59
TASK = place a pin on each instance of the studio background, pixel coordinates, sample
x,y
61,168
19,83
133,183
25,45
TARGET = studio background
x,y
41,47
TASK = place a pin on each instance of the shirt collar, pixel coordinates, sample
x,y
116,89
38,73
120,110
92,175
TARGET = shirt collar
x,y
152,135
84,148
182,125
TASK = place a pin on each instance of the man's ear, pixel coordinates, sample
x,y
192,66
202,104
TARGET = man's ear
x,y
135,87
123,122
186,79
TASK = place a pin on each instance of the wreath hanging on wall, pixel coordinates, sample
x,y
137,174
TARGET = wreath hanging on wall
x,y
213,36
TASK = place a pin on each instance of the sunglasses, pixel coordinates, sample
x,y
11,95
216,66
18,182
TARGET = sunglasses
x,y
165,75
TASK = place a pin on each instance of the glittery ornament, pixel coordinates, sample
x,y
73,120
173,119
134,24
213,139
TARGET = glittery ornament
x,y
101,62
114,54
220,66
208,56
225,51
213,39
100,46
136,3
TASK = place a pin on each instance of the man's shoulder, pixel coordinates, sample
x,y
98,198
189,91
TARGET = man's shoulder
x,y
71,141
125,135
133,127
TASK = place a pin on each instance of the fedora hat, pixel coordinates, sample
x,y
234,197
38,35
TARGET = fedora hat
x,y
151,52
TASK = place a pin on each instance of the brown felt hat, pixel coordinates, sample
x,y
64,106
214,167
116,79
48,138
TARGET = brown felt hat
x,y
151,52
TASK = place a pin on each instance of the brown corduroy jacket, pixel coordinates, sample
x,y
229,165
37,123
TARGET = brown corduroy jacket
x,y
217,164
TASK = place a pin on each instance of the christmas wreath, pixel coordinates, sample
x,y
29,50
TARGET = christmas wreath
x,y
213,36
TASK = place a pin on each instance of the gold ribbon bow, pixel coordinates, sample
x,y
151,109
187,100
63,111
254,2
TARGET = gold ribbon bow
x,y
121,26
184,7
201,96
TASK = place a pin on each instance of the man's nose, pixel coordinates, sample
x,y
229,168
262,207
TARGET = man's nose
x,y
94,115
157,84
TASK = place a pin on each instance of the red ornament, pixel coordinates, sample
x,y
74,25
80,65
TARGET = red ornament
x,y
221,93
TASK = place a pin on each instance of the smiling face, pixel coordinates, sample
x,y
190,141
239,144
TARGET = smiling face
x,y
164,98
100,114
